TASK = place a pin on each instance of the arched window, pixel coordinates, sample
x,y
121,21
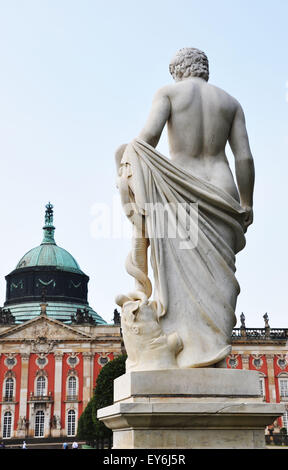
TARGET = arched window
x,y
7,424
9,389
72,387
71,423
40,386
39,424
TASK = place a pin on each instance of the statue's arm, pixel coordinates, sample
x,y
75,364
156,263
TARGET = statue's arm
x,y
118,155
244,164
153,128
159,115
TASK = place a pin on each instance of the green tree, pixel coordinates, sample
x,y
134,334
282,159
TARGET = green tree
x,y
89,427
86,429
103,393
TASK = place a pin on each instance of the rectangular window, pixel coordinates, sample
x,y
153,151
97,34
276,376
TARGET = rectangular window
x,y
7,425
71,431
72,386
285,420
9,387
262,386
40,386
283,386
39,424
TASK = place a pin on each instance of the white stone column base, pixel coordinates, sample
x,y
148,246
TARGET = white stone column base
x,y
189,409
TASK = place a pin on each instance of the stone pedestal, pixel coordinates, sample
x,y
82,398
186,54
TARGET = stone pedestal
x,y
55,432
21,434
189,408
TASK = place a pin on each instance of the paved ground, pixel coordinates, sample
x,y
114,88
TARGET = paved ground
x,y
50,445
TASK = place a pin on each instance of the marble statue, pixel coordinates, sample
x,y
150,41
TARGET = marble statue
x,y
192,197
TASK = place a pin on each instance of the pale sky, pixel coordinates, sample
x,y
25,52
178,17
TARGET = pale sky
x,y
77,80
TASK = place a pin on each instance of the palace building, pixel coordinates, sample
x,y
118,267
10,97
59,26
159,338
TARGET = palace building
x,y
266,351
52,343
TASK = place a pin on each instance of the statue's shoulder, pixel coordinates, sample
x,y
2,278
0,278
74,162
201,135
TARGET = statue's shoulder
x,y
165,90
225,96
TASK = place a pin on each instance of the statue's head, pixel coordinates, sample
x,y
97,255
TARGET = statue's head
x,y
189,62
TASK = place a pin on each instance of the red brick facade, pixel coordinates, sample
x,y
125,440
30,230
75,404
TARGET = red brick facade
x,y
47,381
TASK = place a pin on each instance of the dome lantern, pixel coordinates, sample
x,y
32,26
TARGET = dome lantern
x,y
48,228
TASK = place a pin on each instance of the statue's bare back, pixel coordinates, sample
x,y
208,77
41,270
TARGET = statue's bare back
x,y
199,118
202,115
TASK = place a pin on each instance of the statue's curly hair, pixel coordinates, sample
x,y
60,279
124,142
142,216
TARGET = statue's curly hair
x,y
189,62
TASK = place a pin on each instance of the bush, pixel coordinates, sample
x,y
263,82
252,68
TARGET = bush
x,y
89,427
86,429
103,393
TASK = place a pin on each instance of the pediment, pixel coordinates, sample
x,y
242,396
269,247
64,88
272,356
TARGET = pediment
x,y
43,329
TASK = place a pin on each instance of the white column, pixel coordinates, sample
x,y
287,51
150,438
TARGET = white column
x,y
23,391
271,377
87,377
58,393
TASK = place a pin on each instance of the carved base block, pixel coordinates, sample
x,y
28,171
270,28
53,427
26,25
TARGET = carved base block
x,y
20,434
55,432
186,409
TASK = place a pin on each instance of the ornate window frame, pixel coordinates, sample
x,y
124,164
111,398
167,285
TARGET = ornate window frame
x,y
282,358
105,359
257,357
41,360
10,361
75,357
233,359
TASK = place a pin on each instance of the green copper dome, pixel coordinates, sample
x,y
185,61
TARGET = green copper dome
x,y
48,253
49,275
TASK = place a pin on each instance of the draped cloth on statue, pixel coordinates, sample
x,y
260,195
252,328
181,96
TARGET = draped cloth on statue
x,y
195,287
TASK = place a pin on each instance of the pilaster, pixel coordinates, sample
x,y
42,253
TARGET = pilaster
x,y
245,361
271,377
87,377
21,432
56,430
